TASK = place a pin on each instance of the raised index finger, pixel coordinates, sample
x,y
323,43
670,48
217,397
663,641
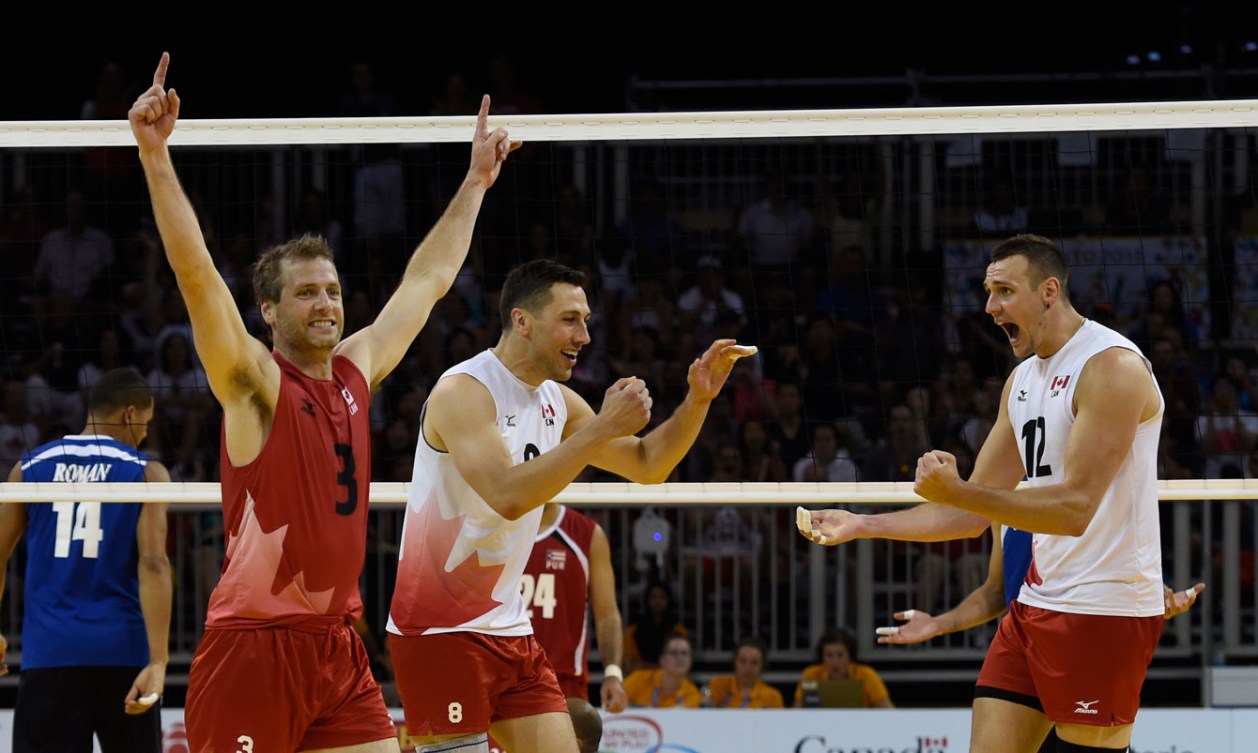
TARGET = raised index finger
x,y
482,118
159,76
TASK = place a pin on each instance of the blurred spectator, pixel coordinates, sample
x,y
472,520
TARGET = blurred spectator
x,y
668,686
1183,402
836,373
19,432
727,464
836,659
975,428
455,98
848,295
183,406
700,306
1166,299
1000,211
653,236
1136,208
828,460
760,458
112,174
645,634
775,234
852,215
108,355
895,457
314,216
505,94
73,257
379,209
907,338
1228,433
52,364
745,689
649,307
22,229
788,431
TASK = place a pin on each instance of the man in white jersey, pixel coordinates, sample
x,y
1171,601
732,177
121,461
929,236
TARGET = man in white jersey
x,y
1079,419
463,652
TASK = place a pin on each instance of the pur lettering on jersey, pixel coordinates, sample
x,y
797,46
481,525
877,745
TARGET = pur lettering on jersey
x,y
556,559
349,400
77,474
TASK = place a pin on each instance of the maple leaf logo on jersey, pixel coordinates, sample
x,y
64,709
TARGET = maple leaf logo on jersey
x,y
256,551
453,586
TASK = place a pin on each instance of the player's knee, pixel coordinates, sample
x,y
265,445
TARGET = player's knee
x,y
467,744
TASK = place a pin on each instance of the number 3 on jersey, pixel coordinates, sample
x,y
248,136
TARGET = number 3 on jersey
x,y
540,593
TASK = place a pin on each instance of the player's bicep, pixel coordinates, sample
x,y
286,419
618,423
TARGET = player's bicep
x,y
1106,420
460,418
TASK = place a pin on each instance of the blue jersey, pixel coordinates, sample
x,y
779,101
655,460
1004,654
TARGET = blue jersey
x,y
82,591
1015,550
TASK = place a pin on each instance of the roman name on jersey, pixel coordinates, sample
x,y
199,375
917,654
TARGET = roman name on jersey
x,y
74,474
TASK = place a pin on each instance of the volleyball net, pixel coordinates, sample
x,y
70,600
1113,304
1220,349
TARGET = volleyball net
x,y
849,245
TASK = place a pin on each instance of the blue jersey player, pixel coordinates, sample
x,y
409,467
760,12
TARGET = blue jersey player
x,y
97,586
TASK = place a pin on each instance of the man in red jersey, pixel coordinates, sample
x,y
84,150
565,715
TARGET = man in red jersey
x,y
280,667
569,571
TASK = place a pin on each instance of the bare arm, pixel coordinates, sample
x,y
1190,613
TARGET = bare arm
x,y
236,364
985,603
156,590
378,348
12,525
649,459
926,522
998,465
1105,425
608,625
460,418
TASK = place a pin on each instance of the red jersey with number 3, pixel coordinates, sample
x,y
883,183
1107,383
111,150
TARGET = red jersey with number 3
x,y
555,587
296,517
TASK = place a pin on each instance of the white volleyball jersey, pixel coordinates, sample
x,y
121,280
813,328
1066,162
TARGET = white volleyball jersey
x,y
459,563
1115,567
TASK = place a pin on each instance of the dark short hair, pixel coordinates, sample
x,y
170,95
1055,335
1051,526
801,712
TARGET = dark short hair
x,y
268,270
528,287
1044,259
676,635
756,642
836,635
118,389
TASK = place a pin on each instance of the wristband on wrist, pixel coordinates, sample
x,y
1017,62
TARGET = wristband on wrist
x,y
612,670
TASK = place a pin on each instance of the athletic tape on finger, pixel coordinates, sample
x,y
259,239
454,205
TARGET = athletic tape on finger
x,y
147,700
888,631
909,614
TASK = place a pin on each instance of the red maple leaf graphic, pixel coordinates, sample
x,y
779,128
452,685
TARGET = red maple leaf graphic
x,y
441,598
